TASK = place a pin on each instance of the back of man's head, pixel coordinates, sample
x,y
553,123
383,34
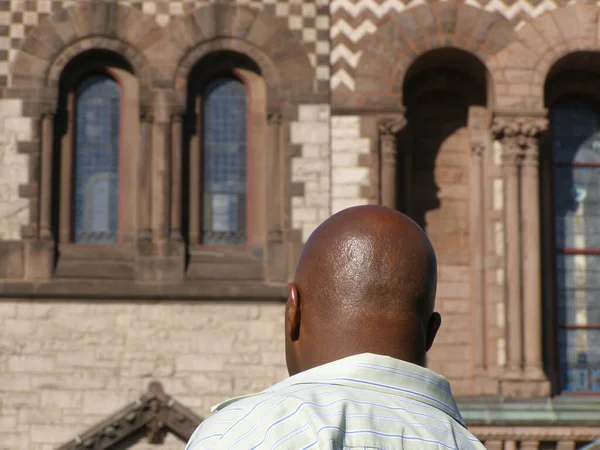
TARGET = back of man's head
x,y
365,282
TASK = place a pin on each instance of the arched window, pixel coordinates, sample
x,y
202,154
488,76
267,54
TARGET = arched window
x,y
575,126
96,161
224,153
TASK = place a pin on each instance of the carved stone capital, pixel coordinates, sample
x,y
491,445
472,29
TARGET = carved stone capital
x,y
524,131
146,115
275,236
390,126
176,118
477,149
48,112
274,117
520,138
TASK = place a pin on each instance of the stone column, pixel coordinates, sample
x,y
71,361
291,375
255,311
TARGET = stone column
x,y
67,150
508,132
476,230
144,165
274,177
277,264
520,136
195,183
389,157
176,155
479,136
532,293
161,163
529,445
39,248
47,137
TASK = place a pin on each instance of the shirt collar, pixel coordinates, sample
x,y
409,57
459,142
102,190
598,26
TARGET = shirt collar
x,y
377,373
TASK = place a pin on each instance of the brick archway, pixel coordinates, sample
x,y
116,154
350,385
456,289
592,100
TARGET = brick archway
x,y
74,30
401,39
262,37
526,63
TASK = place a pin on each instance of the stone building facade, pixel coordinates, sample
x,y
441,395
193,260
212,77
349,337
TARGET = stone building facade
x,y
457,113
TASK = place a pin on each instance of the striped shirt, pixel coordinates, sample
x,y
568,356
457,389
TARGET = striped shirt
x,y
361,402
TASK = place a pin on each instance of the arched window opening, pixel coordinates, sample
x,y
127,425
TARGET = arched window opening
x,y
439,88
575,131
96,161
224,116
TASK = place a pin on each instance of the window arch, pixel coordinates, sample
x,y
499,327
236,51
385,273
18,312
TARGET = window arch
x,y
96,155
575,133
96,161
226,141
224,114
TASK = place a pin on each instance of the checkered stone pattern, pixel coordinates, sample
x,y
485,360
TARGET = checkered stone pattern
x,y
354,21
308,20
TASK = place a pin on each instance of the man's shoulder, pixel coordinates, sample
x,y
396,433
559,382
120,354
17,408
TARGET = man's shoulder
x,y
239,419
329,415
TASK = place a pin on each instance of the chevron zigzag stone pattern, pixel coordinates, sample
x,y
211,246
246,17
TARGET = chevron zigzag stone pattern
x,y
355,20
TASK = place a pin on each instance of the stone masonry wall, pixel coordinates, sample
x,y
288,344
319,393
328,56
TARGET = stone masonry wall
x,y
311,133
66,366
14,211
347,176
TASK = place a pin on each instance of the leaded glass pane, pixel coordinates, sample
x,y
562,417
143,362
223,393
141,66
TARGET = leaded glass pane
x,y
577,207
576,133
224,131
578,289
576,142
96,165
580,360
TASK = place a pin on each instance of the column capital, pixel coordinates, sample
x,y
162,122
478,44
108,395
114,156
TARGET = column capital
x,y
48,112
519,127
176,117
477,149
146,114
390,126
274,117
519,136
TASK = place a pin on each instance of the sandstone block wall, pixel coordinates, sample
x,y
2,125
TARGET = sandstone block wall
x,y
311,169
348,178
66,366
14,210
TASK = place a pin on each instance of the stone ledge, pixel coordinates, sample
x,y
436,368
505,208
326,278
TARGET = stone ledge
x,y
91,289
544,412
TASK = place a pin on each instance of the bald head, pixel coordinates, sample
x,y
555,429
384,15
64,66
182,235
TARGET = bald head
x,y
365,282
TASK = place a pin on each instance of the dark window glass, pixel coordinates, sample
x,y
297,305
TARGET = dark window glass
x,y
96,165
576,143
224,146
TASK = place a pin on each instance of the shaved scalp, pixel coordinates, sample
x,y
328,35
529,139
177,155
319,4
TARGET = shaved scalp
x,y
365,282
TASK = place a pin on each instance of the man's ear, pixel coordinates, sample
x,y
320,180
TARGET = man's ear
x,y
292,313
435,321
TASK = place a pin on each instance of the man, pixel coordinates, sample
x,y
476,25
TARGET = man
x,y
358,321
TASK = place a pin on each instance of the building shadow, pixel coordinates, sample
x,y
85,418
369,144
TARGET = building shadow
x,y
437,103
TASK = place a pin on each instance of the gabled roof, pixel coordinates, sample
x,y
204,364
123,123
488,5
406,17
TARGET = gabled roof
x,y
154,413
